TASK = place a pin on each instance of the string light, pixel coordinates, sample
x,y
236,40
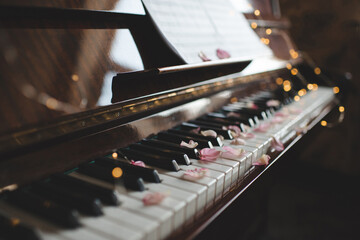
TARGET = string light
x,y
288,66
315,87
317,71
336,90
117,172
294,71
323,123
253,25
268,31
341,109
257,12
296,98
310,86
279,81
115,155
75,77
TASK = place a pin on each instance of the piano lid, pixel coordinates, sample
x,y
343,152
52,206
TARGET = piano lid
x,y
56,61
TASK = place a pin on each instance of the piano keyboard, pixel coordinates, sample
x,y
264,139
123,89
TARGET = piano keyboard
x,y
90,202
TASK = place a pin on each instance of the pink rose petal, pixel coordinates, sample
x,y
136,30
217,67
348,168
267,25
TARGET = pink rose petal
x,y
232,153
252,105
246,135
273,103
203,56
138,163
277,144
222,54
209,154
233,114
235,130
153,198
263,160
263,127
191,144
208,133
277,119
195,174
238,141
281,114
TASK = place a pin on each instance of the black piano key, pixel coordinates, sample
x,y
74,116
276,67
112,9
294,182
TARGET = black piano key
x,y
99,172
191,126
231,120
45,208
134,182
63,196
13,228
176,138
147,173
107,196
151,159
216,141
191,152
181,158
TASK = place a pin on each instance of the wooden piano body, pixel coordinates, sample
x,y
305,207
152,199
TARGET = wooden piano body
x,y
56,59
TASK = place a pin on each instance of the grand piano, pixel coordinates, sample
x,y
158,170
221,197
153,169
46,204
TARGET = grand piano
x,y
100,102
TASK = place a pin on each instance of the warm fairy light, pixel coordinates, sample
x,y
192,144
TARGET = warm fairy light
x,y
294,71
310,86
14,221
257,12
302,92
279,81
296,98
268,31
341,109
288,66
75,77
115,155
315,86
286,82
233,100
317,70
117,172
51,103
287,88
336,90
267,41
323,123
253,25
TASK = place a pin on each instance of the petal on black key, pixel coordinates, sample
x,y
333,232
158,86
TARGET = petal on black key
x,y
13,228
191,152
150,159
147,173
45,208
176,138
61,195
107,196
180,157
191,126
216,141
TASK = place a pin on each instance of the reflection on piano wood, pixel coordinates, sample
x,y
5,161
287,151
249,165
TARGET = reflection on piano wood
x,y
77,176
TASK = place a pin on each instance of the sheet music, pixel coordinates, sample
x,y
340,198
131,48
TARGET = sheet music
x,y
194,26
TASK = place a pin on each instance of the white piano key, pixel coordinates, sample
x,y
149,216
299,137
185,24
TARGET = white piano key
x,y
174,205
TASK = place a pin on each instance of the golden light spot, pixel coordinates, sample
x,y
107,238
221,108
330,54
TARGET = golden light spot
x,y
294,71
302,92
288,66
310,86
257,12
233,100
286,82
253,25
279,81
287,88
117,172
317,70
115,155
323,123
51,103
268,31
336,90
296,98
341,109
266,41
14,221
315,87
75,77
295,55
